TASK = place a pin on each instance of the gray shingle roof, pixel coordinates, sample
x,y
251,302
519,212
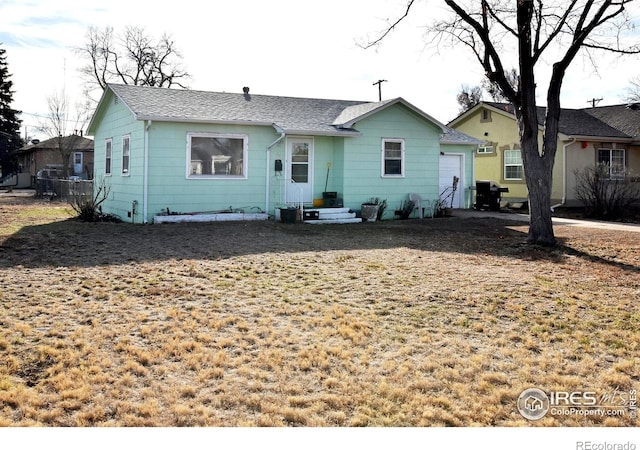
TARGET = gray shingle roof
x,y
180,105
352,113
575,122
290,114
75,142
452,136
625,118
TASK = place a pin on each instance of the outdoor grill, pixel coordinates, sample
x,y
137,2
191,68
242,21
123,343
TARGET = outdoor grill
x,y
489,195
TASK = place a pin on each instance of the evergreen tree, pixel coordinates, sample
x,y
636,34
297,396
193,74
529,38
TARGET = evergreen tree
x,y
9,123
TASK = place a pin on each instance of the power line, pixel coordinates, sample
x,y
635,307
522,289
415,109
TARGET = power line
x,y
48,117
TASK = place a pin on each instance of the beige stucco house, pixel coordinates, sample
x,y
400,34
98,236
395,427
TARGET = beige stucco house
x,y
609,134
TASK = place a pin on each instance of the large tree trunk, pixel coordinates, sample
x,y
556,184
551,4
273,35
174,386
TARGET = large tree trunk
x,y
539,181
538,166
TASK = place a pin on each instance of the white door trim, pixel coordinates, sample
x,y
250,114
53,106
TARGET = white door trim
x,y
298,192
460,193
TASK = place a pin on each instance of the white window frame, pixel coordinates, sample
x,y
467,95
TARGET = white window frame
x,y
617,174
505,165
484,149
108,156
384,158
200,176
126,155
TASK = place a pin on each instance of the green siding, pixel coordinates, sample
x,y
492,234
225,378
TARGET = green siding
x,y
355,174
363,159
116,122
170,188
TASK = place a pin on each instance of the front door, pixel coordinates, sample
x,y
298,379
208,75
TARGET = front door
x,y
299,176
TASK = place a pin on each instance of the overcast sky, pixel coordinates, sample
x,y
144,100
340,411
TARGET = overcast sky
x,y
276,47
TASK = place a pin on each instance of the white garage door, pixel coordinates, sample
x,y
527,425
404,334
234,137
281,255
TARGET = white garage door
x,y
451,166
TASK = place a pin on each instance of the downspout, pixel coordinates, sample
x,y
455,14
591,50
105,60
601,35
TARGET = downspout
x,y
564,175
145,173
267,184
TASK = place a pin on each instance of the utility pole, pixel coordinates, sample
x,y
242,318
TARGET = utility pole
x,y
379,83
594,101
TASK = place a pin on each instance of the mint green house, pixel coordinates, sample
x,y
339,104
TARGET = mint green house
x,y
167,150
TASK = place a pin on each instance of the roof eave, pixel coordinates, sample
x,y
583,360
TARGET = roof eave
x,y
578,137
337,133
459,142
204,121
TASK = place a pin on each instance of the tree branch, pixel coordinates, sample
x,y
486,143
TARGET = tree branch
x,y
391,27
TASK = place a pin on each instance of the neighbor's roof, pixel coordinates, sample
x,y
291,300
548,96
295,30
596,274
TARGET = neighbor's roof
x,y
293,115
625,118
75,142
573,122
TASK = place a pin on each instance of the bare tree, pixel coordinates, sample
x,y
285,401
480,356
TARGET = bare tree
x,y
130,58
494,90
469,96
538,31
64,124
633,91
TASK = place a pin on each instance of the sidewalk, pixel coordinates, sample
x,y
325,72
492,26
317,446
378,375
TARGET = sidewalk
x,y
472,213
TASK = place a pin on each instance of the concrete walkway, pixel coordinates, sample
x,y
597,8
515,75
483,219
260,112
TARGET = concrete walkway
x,y
472,213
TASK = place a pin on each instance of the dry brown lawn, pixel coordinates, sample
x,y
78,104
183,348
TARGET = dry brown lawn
x,y
435,322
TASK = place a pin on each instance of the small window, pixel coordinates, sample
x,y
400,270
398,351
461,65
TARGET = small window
x,y
125,155
107,160
485,149
216,155
392,157
513,169
485,116
614,158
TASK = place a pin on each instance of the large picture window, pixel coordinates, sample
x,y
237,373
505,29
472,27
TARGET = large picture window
x,y
513,169
107,157
392,157
217,155
614,159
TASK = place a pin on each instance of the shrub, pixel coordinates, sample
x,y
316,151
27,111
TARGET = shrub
x,y
88,206
605,196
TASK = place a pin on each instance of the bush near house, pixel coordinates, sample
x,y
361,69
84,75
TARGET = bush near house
x,y
606,195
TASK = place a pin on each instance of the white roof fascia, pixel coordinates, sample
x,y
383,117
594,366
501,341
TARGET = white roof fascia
x,y
205,121
291,132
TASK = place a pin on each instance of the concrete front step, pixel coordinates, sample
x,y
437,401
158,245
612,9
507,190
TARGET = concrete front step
x,y
327,221
333,215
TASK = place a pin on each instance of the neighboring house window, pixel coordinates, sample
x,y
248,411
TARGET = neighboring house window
x,y
485,116
484,149
614,158
125,155
392,157
107,161
217,155
513,169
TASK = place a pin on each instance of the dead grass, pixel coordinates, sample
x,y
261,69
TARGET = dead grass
x,y
411,323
